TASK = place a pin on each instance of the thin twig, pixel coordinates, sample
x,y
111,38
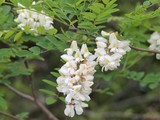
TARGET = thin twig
x,y
36,100
31,81
145,50
19,93
9,115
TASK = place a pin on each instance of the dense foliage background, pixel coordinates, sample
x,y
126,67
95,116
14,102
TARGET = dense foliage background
x,y
132,92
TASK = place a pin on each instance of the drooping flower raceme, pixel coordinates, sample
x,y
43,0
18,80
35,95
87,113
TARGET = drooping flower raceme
x,y
110,51
33,20
155,43
76,78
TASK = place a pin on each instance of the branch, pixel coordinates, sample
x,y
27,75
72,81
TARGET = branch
x,y
19,93
36,100
9,115
145,50
31,80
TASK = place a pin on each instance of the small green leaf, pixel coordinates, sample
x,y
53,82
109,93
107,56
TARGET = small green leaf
x,y
26,29
154,1
3,103
52,31
55,74
62,99
50,100
105,1
36,50
89,16
23,115
41,30
6,9
18,36
14,1
73,22
152,80
48,92
9,34
23,53
26,3
50,82
2,1
135,75
1,33
146,3
79,2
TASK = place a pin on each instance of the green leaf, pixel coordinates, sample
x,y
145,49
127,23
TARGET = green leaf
x,y
50,100
23,53
3,103
134,75
45,44
104,91
36,50
50,82
60,45
41,30
52,31
152,80
6,9
62,99
79,2
18,36
9,34
73,22
26,3
2,1
48,92
146,3
5,54
1,33
154,1
55,74
105,1
89,16
23,115
14,1
97,8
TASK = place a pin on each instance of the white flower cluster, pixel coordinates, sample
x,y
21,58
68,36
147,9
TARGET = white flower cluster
x,y
33,20
155,43
76,78
110,51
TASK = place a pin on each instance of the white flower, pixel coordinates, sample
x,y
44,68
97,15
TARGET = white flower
x,y
33,20
155,43
74,46
109,52
101,44
69,111
104,34
78,56
100,52
101,39
158,56
79,107
67,58
76,78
